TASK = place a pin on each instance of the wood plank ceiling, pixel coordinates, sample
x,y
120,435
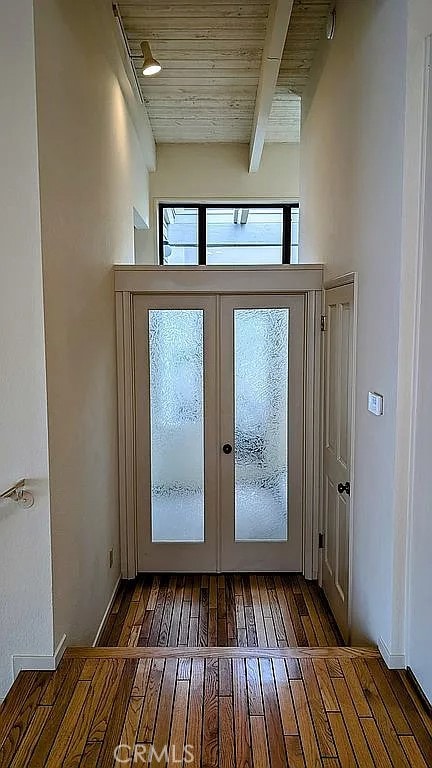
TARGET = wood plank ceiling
x,y
305,34
211,57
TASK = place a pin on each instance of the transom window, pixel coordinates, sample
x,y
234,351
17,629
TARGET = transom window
x,y
228,234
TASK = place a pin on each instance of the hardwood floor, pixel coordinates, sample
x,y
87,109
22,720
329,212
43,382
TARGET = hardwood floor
x,y
225,610
343,710
240,671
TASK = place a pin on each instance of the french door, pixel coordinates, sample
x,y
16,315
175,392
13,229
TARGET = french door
x,y
219,432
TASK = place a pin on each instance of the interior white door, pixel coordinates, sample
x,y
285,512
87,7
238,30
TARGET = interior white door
x,y
219,432
261,452
338,385
176,432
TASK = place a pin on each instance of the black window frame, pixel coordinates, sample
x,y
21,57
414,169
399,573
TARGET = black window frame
x,y
202,209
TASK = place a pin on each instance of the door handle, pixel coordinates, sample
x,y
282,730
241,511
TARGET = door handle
x,y
345,488
227,448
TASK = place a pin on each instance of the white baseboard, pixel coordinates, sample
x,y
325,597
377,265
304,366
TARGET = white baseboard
x,y
393,660
107,612
45,663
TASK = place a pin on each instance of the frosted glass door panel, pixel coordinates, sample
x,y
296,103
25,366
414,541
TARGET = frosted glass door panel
x,y
176,346
261,338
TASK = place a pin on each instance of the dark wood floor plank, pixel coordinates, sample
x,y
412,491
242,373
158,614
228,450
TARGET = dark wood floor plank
x,y
166,700
13,702
375,743
49,732
110,681
260,747
419,721
203,618
62,742
305,724
80,735
300,634
241,720
128,623
127,590
23,717
185,623
210,734
319,716
195,600
177,741
355,689
331,703
276,740
254,687
132,721
179,601
343,745
148,717
31,736
230,609
392,705
285,612
158,611
294,752
380,714
194,724
91,754
226,732
118,713
353,726
286,706
225,677
141,677
167,612
413,753
258,613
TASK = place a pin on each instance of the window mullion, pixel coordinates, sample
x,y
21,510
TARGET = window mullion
x,y
202,234
286,235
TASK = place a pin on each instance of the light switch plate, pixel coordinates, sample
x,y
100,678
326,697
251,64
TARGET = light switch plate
x,y
375,403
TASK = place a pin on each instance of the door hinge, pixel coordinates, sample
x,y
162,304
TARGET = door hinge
x,y
323,323
320,541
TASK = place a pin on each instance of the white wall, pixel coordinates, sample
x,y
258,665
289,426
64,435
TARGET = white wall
x,y
93,173
205,172
416,299
351,197
25,557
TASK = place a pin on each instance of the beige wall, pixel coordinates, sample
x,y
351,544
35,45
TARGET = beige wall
x,y
26,626
416,338
93,173
205,172
351,198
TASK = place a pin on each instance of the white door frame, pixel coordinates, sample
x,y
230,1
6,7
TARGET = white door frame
x,y
351,278
300,279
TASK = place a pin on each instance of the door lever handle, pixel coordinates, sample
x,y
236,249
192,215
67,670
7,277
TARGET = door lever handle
x,y
345,488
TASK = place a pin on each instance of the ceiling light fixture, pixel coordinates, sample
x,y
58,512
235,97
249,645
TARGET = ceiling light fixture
x,y
151,66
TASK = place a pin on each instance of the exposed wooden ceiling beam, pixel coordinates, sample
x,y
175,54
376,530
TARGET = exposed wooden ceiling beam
x,y
278,22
